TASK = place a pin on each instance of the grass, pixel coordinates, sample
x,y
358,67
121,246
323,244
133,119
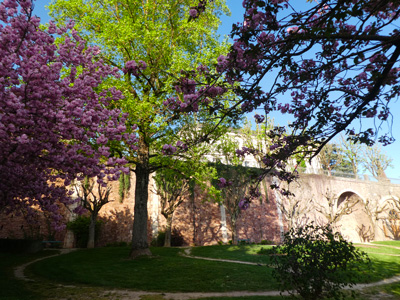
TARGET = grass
x,y
94,272
388,243
377,249
10,287
166,271
243,252
384,265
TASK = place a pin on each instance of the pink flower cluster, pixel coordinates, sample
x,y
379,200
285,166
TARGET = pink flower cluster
x,y
131,67
223,183
192,95
169,149
54,123
331,64
195,11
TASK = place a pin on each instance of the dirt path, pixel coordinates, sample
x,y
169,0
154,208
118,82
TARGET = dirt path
x,y
19,271
138,295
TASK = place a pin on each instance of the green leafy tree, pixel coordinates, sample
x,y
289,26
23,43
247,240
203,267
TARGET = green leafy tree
x,y
93,197
176,183
124,186
333,160
236,182
156,44
172,187
352,152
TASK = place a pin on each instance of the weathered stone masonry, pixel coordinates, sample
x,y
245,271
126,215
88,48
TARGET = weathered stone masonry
x,y
201,222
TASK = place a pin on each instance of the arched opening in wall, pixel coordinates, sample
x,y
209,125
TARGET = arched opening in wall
x,y
346,196
354,222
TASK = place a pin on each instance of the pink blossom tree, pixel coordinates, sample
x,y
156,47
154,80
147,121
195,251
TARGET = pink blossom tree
x,y
55,117
327,64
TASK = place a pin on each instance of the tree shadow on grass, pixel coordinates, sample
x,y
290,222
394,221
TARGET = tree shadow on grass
x,y
382,267
12,288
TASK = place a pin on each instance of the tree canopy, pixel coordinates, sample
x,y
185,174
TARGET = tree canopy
x,y
55,116
327,65
164,49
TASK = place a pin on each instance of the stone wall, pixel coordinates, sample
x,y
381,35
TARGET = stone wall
x,y
198,220
202,222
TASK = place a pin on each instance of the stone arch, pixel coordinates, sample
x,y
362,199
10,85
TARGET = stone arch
x,y
356,226
347,193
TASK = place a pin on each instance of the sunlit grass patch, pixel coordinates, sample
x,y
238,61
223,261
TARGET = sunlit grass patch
x,y
247,253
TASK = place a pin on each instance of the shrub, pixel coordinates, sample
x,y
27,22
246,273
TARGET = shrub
x,y
80,228
158,241
176,239
314,262
267,242
242,242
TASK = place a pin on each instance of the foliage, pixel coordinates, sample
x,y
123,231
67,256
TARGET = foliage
x,y
346,156
55,120
176,239
332,159
156,44
172,187
117,244
80,228
124,186
237,185
316,262
92,200
325,64
352,153
175,182
267,242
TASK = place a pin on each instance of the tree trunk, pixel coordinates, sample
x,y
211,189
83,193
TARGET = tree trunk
x,y
234,232
194,218
168,229
92,230
140,245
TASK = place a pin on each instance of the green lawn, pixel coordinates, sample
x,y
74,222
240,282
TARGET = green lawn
x,y
94,271
10,287
388,243
242,252
384,264
165,271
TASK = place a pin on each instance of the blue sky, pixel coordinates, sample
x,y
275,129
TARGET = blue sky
x,y
393,151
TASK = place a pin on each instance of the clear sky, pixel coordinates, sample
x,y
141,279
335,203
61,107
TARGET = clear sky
x,y
393,151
